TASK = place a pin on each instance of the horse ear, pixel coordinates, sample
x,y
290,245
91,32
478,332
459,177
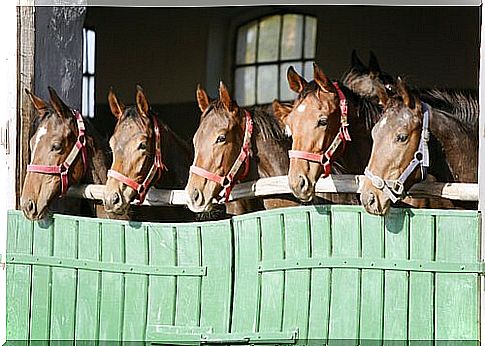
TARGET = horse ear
x,y
374,67
296,82
59,106
40,105
357,64
321,79
405,93
141,101
281,110
225,98
202,98
382,95
117,108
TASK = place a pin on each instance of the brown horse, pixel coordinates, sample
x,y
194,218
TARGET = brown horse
x,y
322,120
146,152
413,138
65,150
234,144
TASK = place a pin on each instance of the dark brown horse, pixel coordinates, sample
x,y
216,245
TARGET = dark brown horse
x,y
321,120
234,144
412,136
146,153
65,150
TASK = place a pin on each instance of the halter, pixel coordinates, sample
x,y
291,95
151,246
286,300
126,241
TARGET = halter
x,y
325,159
394,189
154,173
228,181
63,168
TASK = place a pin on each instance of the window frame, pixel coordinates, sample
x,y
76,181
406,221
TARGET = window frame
x,y
279,61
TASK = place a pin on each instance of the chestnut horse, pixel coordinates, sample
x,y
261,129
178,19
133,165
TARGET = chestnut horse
x,y
330,127
65,150
234,144
146,153
413,138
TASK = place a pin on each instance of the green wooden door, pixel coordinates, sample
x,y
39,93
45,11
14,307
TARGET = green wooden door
x,y
90,279
337,275
307,275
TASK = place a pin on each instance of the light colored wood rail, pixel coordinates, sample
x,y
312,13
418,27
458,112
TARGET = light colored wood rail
x,y
279,185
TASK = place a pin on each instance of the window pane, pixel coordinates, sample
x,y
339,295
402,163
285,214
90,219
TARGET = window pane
x,y
310,37
246,43
292,38
245,85
85,62
267,83
91,44
85,107
91,97
269,33
286,94
308,70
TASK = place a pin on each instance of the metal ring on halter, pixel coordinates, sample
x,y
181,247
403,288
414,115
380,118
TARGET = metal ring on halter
x,y
378,182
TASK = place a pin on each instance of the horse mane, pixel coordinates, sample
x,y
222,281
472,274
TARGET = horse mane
x,y
460,105
266,124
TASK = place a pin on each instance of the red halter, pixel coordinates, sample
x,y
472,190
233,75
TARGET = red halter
x,y
342,136
228,181
63,168
154,173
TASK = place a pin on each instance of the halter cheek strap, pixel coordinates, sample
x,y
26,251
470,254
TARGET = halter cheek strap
x,y
63,168
229,180
394,189
154,173
342,136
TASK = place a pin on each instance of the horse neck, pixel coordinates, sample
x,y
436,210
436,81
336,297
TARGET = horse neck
x,y
98,162
453,150
355,154
269,156
176,156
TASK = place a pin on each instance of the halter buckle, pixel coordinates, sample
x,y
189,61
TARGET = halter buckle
x,y
398,188
378,182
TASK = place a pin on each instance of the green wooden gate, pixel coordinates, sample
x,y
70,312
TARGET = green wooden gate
x,y
327,274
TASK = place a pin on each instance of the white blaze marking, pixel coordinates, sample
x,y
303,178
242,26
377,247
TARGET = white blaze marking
x,y
383,122
288,130
301,108
40,133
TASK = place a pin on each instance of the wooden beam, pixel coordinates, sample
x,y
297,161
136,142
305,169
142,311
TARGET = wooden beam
x,y
25,80
279,185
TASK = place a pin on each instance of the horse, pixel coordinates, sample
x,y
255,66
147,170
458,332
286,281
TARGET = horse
x,y
330,126
233,144
411,134
65,150
146,153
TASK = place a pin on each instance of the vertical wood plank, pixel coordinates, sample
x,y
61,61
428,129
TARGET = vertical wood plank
x,y
396,282
217,251
272,283
87,310
136,285
372,294
320,225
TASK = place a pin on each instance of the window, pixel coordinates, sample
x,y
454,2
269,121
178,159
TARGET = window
x,y
89,37
265,49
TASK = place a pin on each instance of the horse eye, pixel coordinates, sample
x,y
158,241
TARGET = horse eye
x,y
221,139
142,146
402,137
322,122
56,146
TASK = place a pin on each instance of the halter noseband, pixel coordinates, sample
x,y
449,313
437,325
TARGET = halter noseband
x,y
63,168
153,174
325,159
394,189
228,181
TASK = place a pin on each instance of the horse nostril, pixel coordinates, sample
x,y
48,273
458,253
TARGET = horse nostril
x,y
196,195
371,199
303,182
30,205
115,198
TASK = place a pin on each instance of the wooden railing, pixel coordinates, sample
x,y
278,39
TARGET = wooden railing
x,y
279,185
